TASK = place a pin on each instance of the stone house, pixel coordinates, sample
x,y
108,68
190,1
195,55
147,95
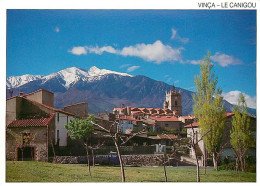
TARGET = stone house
x,y
167,123
32,116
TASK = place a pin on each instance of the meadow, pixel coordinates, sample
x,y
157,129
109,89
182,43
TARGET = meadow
x,y
31,171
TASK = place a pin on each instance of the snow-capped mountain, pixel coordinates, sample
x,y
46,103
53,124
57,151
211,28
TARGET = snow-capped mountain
x,y
16,81
102,89
67,77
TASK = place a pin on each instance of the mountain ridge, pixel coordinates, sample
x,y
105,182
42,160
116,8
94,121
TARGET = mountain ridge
x,y
104,89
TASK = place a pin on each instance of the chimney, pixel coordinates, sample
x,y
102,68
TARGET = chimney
x,y
21,93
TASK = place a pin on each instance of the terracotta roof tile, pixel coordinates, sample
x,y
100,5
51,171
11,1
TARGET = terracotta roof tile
x,y
229,114
39,122
195,124
165,118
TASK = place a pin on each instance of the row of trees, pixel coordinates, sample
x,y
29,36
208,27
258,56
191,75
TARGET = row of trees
x,y
209,111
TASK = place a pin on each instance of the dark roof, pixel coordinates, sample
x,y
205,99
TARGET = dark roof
x,y
49,107
163,136
34,122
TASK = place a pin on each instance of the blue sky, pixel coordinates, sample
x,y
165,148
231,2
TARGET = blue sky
x,y
164,45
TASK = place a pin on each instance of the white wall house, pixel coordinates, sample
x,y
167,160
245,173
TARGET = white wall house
x,y
126,124
61,119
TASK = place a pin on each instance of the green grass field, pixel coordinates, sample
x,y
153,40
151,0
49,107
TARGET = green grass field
x,y
17,171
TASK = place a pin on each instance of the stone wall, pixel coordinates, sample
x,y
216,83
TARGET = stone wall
x,y
129,160
14,141
143,160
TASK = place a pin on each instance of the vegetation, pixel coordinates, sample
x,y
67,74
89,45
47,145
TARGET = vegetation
x,y
81,129
48,172
208,110
241,137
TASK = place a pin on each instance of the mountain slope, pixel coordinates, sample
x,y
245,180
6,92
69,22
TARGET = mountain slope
x,y
105,89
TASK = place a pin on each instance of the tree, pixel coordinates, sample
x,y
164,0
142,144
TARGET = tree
x,y
81,129
240,134
119,139
209,110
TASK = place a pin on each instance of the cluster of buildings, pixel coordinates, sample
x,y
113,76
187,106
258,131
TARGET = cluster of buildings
x,y
34,126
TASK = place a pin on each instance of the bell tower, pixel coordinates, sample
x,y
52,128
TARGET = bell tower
x,y
173,101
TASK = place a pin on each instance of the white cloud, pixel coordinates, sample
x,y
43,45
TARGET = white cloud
x,y
78,50
157,52
100,50
233,96
220,58
176,81
57,29
174,32
124,65
184,40
194,62
178,37
132,68
225,60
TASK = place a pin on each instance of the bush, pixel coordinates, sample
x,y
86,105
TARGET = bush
x,y
228,166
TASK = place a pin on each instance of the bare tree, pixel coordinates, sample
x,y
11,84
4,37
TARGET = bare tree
x,y
193,143
93,148
118,139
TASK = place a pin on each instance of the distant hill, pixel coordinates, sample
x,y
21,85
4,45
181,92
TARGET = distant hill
x,y
102,89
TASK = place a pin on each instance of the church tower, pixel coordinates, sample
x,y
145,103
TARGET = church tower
x,y
173,101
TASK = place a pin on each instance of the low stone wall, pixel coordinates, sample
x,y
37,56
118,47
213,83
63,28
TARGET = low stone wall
x,y
128,160
143,160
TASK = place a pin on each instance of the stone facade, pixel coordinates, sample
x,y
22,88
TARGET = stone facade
x,y
40,145
173,101
42,96
80,110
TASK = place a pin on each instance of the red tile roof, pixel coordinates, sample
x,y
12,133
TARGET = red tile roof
x,y
229,114
127,118
165,118
40,122
188,117
195,124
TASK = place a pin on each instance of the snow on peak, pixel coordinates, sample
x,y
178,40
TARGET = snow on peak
x,y
94,71
16,81
70,76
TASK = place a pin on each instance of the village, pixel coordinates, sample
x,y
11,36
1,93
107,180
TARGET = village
x,y
156,131
130,95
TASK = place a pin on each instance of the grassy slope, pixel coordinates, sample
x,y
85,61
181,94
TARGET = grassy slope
x,y
47,172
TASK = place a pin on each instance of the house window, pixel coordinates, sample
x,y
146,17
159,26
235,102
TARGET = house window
x,y
166,125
